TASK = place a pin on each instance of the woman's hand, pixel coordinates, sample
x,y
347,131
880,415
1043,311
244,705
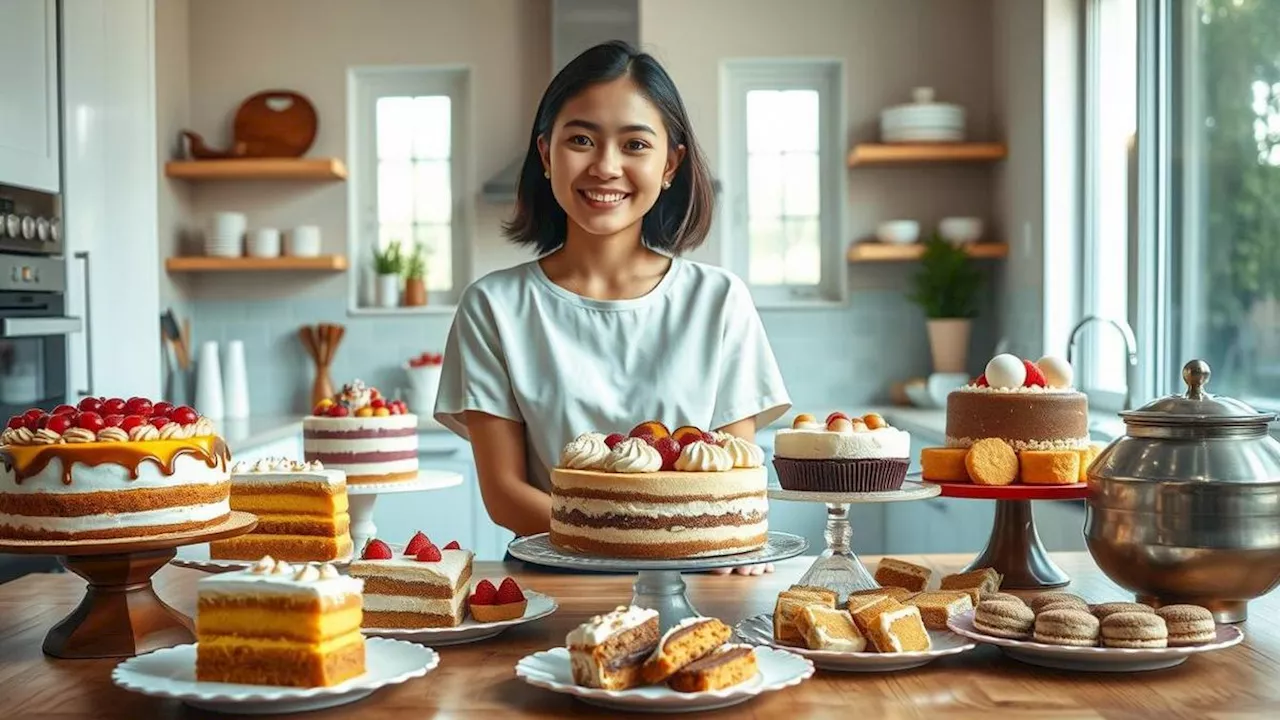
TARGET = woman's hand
x,y
759,569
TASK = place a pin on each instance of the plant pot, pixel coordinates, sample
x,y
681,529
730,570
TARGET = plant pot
x,y
415,292
388,290
949,343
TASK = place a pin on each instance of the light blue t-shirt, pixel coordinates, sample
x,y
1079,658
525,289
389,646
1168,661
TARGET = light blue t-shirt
x,y
690,352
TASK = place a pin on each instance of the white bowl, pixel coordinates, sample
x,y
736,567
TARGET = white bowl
x,y
960,230
898,231
940,385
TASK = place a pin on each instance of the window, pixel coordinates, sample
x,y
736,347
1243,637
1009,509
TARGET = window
x,y
784,178
406,139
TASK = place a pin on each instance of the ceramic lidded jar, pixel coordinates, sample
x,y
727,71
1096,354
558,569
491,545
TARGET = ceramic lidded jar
x,y
1186,506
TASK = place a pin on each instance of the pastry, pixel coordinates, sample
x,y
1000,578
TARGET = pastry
x,y
1188,624
827,628
1004,619
1040,601
868,609
1134,630
1104,610
859,454
789,604
899,573
358,431
985,580
1049,467
1030,406
301,510
897,593
723,667
684,643
505,602
825,593
608,651
944,464
1061,605
936,608
424,587
1004,597
1087,456
899,629
1068,626
991,461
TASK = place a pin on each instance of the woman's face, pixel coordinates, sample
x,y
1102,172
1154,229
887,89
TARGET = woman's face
x,y
608,155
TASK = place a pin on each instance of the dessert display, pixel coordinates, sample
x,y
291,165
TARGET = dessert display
x,y
936,608
867,623
659,494
424,587
111,468
363,434
301,510
844,454
609,651
726,666
683,644
279,624
1059,618
899,573
497,604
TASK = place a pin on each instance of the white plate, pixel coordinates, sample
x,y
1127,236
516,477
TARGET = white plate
x,y
1097,659
778,669
171,673
539,606
758,630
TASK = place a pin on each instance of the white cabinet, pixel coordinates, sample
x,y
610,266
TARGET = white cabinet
x,y
29,94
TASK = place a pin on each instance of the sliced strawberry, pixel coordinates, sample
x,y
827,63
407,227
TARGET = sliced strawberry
x,y
485,594
509,592
377,550
453,545
982,381
669,448
1035,378
416,543
60,423
430,553
614,439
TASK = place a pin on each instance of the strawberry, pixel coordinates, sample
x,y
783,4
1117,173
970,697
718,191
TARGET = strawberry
x,y
113,420
509,592
982,381
90,404
63,410
416,543
60,423
113,406
89,420
138,406
159,421
648,438
669,448
614,439
161,409
835,416
709,439
485,594
338,411
184,415
16,422
430,553
453,545
376,550
1035,378
132,421
377,402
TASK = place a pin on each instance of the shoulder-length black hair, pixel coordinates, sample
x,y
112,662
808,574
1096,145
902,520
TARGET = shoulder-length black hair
x,y
680,219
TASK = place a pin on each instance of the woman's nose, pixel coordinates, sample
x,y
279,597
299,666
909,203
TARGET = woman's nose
x,y
607,164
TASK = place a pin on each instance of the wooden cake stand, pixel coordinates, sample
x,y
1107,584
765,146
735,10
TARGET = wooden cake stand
x,y
121,615
1014,549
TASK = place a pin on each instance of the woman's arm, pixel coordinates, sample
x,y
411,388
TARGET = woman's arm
x,y
745,429
498,446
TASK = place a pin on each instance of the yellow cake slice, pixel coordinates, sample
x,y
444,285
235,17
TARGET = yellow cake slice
x,y
789,604
302,512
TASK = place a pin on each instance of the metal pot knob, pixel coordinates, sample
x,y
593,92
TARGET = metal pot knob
x,y
1196,375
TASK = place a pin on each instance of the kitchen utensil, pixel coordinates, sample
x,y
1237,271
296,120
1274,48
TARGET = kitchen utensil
x,y
235,381
264,243
276,123
960,230
1185,506
304,241
898,231
321,342
922,120
209,382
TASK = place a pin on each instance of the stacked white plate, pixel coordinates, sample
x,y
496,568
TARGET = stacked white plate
x,y
225,235
923,120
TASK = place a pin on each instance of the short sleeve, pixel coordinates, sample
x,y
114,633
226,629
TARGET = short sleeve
x,y
750,383
475,374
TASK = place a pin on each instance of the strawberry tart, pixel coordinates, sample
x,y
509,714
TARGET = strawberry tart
x,y
844,454
497,604
368,437
111,468
658,494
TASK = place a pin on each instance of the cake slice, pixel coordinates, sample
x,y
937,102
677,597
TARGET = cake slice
x,y
899,573
936,608
826,593
980,582
279,624
897,593
301,509
899,630
724,667
608,651
426,587
867,609
830,629
789,604
684,643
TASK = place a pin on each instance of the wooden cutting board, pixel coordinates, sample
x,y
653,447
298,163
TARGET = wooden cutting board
x,y
275,123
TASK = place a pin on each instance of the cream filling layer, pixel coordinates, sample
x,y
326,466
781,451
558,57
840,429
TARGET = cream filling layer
x,y
363,445
594,508
339,424
409,604
187,470
377,468
1079,443
662,536
680,484
108,521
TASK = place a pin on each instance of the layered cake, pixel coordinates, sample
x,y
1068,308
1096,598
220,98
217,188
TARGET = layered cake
x,y
301,510
844,454
279,624
111,468
726,666
609,651
686,642
658,494
424,587
358,431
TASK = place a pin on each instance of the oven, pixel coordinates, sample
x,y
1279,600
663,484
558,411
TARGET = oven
x,y
33,333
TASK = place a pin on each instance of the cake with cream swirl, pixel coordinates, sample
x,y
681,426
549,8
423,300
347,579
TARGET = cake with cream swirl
x,y
658,494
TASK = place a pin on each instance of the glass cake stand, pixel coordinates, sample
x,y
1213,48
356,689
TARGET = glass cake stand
x,y
659,585
838,567
361,498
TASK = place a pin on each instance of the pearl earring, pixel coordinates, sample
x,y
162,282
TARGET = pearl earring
x,y
546,174
666,184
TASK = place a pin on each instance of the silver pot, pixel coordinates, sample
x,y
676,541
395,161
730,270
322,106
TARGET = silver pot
x,y
1186,506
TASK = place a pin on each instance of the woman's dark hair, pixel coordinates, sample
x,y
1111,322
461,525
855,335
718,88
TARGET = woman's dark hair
x,y
680,219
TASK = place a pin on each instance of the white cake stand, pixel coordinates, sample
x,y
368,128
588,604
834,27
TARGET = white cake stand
x,y
361,498
659,585
838,567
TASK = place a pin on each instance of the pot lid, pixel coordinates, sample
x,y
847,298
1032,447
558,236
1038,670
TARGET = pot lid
x,y
1196,407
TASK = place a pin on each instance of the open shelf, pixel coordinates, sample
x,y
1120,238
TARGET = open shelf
x,y
888,252
201,263
909,153
317,169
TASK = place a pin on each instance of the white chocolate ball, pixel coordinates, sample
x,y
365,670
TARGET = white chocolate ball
x,y
1057,371
1006,371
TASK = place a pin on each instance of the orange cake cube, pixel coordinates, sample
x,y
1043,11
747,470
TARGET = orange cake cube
x,y
936,608
826,593
1087,456
865,612
984,580
827,628
899,630
992,461
897,593
789,604
899,573
1049,467
944,464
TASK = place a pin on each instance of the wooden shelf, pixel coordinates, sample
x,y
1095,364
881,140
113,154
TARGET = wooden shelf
x,y
889,252
200,263
906,153
318,169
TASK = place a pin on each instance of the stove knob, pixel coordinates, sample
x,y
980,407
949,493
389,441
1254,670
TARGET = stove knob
x,y
28,228
13,225
55,230
42,229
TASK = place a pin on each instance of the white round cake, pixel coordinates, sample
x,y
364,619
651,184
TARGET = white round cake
x,y
844,454
369,438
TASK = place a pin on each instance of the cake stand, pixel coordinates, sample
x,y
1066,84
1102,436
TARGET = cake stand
x,y
1014,548
659,585
121,615
362,496
838,567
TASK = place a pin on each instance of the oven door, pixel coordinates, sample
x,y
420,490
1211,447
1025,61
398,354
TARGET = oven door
x,y
33,351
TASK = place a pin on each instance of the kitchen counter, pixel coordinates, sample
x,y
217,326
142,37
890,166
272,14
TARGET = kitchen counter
x,y
477,680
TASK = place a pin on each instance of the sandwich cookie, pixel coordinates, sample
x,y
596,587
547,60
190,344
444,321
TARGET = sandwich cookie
x,y
1067,626
1042,600
1134,630
1188,624
1004,619
1105,610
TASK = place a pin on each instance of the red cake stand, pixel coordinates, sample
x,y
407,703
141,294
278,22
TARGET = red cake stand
x,y
121,615
1014,548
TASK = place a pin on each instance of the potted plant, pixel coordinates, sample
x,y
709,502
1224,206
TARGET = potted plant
x,y
415,272
946,288
388,264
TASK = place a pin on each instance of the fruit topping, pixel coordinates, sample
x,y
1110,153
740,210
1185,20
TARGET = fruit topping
x,y
669,449
710,439
840,425
184,415
874,421
377,550
159,421
89,404
1035,378
1006,371
416,543
453,545
139,406
60,423
982,381
113,420
509,592
16,422
687,435
364,412
337,411
89,420
803,419
32,417
377,402
858,425
651,427
430,553
837,415
113,406
132,421
485,594
161,409
381,412
64,410
614,439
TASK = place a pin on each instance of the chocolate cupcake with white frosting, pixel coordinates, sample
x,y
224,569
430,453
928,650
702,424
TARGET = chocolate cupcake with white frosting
x,y
862,454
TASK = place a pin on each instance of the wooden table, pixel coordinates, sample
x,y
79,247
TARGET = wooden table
x,y
478,680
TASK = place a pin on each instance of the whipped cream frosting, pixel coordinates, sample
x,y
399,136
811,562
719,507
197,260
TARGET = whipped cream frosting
x,y
602,627
585,452
633,455
276,464
885,442
1020,390
271,576
703,457
743,453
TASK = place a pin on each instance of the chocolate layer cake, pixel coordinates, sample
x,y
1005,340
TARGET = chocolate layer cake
x,y
1026,418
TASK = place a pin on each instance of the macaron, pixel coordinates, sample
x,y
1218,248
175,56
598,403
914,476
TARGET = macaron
x,y
1104,610
1063,605
1188,624
1067,626
1134,630
1039,602
1004,619
1003,597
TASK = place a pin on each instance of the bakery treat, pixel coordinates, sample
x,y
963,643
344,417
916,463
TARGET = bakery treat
x,y
897,593
659,495
842,455
1042,600
1067,626
301,510
1134,630
688,640
1104,610
899,629
984,580
944,464
1004,619
1188,624
1049,467
936,608
788,605
1087,456
505,602
827,593
991,461
865,611
608,651
425,587
827,628
1060,605
364,435
1030,406
726,666
111,468
899,573
279,624
1004,597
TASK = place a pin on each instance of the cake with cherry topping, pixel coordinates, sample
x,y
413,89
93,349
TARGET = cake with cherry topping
x,y
844,454
111,468
657,494
423,587
505,602
360,432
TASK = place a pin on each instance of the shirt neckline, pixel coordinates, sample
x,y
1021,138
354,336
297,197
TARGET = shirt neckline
x,y
653,295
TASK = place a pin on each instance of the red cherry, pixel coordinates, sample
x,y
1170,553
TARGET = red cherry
x,y
376,550
416,543
161,409
31,419
338,411
982,381
836,415
59,423
113,406
43,422
139,406
159,421
89,420
113,420
485,594
377,402
614,439
669,448
16,422
129,422
430,553
184,415
393,409
90,404
63,410
453,545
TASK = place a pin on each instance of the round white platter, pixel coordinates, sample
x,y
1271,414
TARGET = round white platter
x,y
758,630
539,606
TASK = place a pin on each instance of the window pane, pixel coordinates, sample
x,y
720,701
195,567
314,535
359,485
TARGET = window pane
x,y
800,178
393,118
432,194
767,245
764,185
801,118
395,191
766,121
432,131
438,242
803,259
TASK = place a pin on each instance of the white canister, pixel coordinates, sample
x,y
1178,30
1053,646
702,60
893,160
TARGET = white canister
x,y
304,241
265,243
209,382
424,383
235,381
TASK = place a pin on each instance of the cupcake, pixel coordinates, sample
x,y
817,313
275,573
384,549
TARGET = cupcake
x,y
844,454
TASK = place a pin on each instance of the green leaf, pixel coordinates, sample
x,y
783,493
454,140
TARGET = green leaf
x,y
948,283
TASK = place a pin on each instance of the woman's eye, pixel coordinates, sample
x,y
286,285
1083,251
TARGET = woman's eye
x,y
636,145
580,141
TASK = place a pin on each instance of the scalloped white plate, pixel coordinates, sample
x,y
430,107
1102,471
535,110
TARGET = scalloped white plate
x,y
539,606
171,673
778,669
758,630
1095,659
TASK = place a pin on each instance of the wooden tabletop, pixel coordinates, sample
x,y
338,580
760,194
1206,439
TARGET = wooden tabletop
x,y
478,680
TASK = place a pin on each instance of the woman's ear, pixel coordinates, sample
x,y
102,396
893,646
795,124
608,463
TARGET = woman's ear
x,y
675,156
544,151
